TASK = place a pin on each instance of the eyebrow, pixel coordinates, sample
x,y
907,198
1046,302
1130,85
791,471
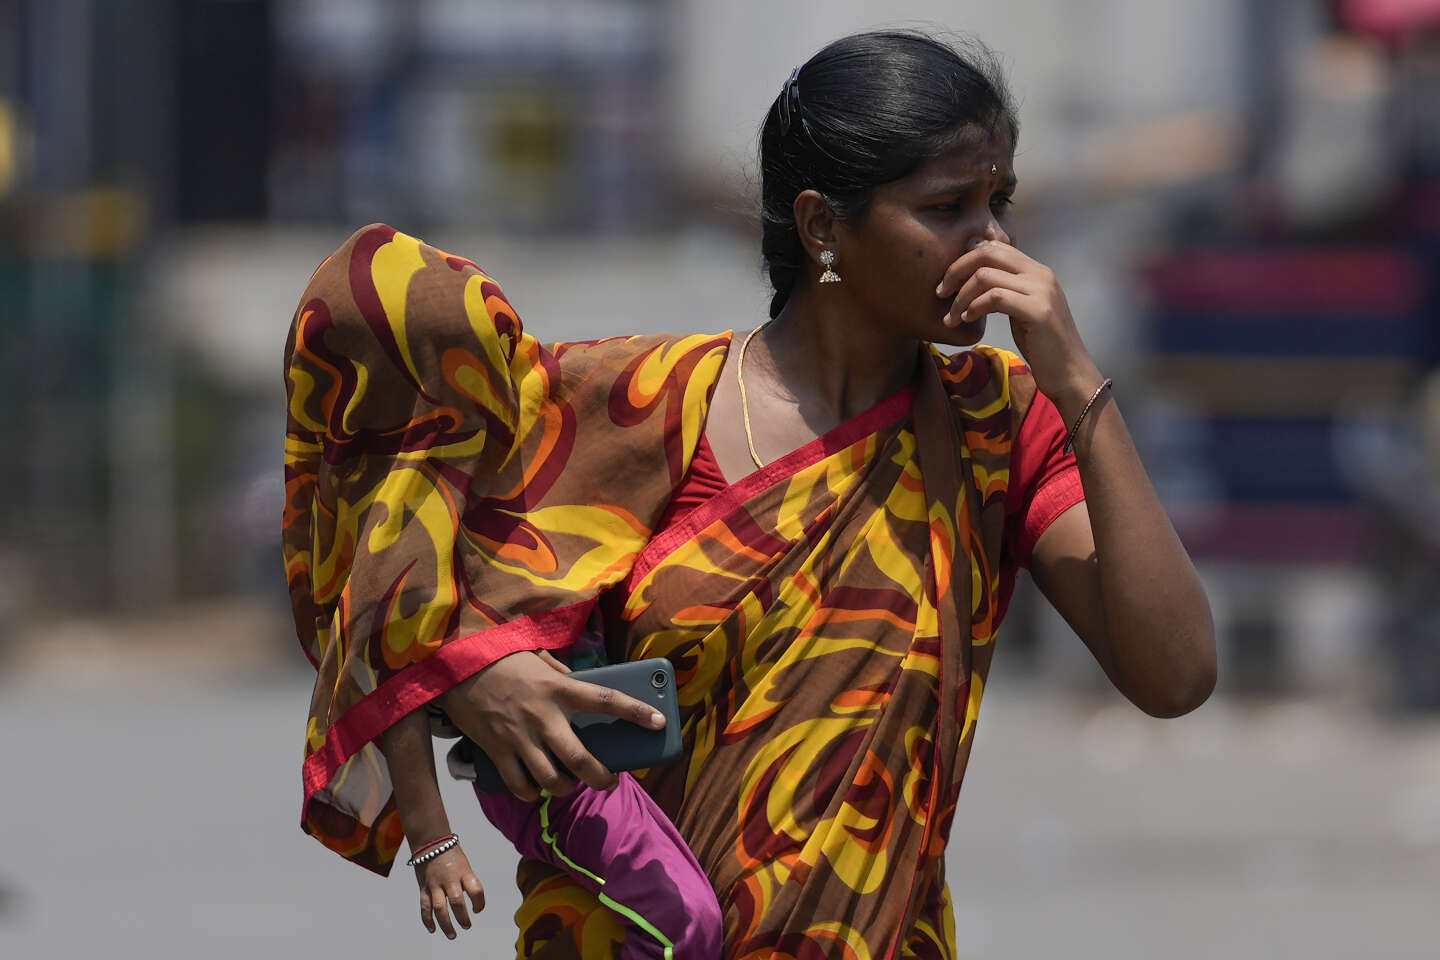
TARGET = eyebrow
x,y
952,187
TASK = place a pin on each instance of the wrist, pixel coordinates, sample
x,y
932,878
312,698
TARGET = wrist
x,y
1085,412
426,830
1076,390
446,698
435,848
464,690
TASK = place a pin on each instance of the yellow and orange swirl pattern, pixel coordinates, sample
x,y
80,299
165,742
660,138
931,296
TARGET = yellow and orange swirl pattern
x,y
457,491
831,622
442,506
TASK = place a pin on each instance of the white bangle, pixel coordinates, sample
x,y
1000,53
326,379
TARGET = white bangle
x,y
449,843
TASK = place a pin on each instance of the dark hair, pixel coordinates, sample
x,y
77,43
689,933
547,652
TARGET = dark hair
x,y
868,109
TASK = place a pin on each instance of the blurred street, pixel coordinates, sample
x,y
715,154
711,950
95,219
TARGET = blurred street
x,y
154,814
1240,197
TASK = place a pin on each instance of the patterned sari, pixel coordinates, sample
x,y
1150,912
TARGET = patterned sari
x,y
457,492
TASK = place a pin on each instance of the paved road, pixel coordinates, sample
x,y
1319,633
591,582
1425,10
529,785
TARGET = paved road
x,y
163,824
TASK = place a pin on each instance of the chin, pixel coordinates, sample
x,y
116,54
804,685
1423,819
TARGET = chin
x,y
965,335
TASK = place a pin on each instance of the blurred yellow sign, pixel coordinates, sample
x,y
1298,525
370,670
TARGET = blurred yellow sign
x,y
8,136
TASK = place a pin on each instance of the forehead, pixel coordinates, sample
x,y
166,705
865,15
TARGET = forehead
x,y
971,154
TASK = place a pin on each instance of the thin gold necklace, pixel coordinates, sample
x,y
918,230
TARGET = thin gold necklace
x,y
744,401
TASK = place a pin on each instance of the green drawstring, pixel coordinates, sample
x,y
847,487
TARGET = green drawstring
x,y
550,839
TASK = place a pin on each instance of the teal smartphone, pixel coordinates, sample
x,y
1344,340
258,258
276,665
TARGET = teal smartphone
x,y
618,744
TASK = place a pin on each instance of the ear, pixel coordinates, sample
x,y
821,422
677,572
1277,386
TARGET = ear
x,y
815,223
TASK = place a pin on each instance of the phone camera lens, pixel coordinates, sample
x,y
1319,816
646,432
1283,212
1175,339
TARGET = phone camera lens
x,y
657,679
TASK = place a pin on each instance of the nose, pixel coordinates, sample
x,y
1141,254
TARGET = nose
x,y
993,231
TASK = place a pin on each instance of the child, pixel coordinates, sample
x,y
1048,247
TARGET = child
x,y
616,843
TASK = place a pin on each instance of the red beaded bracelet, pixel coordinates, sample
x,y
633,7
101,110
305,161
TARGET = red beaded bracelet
x,y
433,849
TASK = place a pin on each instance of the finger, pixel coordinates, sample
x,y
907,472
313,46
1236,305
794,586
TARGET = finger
x,y
427,913
992,253
960,271
563,742
585,697
513,773
998,300
1007,256
442,913
985,278
475,889
455,897
546,773
551,662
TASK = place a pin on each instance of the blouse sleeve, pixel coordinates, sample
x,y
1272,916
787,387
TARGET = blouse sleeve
x,y
1044,480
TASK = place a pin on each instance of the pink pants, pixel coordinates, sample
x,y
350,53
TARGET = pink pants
x,y
623,848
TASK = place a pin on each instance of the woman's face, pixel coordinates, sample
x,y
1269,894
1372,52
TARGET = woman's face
x,y
893,257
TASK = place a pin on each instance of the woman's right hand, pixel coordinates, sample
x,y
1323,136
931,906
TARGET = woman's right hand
x,y
519,708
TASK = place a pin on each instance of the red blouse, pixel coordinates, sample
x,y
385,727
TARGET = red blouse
x,y
1044,483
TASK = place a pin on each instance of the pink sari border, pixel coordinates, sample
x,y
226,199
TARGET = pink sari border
x,y
885,412
422,682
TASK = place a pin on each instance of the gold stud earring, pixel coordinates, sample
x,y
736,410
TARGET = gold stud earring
x,y
827,257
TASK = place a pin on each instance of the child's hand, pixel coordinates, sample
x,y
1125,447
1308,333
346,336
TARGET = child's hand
x,y
444,884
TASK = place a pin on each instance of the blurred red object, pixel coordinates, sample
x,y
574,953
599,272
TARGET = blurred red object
x,y
1389,18
1374,281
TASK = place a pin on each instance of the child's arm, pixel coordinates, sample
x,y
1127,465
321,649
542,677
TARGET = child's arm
x,y
444,880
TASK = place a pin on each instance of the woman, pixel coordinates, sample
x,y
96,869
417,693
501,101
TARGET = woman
x,y
818,521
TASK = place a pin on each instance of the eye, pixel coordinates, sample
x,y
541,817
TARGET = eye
x,y
998,204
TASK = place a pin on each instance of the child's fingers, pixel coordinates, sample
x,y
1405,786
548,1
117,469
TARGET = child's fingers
x,y
427,913
442,913
476,889
455,897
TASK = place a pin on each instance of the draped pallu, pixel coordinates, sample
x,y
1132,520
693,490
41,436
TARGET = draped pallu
x,y
456,492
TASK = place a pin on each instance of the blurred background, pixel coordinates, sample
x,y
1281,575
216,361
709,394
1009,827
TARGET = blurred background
x,y
1241,198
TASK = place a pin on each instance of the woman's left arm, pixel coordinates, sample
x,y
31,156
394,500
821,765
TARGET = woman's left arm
x,y
1113,566
1115,569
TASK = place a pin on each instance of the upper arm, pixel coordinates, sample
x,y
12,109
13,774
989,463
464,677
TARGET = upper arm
x,y
1064,567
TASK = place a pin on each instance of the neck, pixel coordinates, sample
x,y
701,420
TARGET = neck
x,y
832,367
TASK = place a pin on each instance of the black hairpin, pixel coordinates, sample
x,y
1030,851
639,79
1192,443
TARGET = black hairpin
x,y
790,101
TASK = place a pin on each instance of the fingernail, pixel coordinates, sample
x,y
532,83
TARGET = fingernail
x,y
657,719
964,315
